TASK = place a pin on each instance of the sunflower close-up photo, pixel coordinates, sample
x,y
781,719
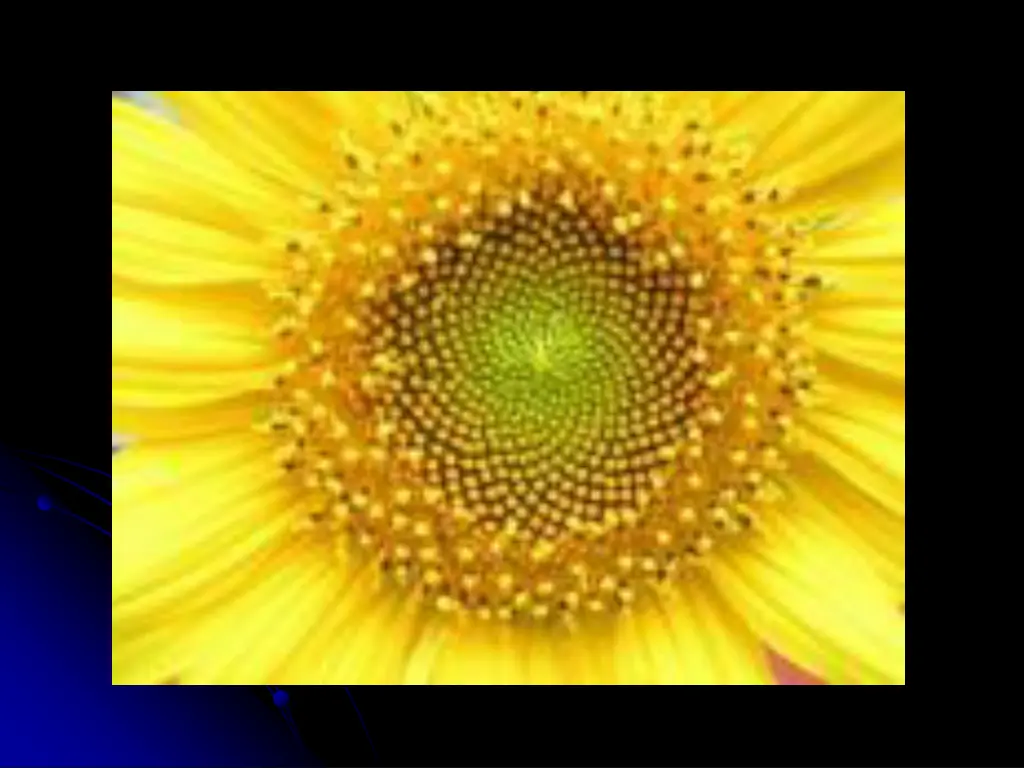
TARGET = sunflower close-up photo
x,y
471,387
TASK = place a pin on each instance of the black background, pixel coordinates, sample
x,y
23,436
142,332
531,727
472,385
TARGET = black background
x,y
55,401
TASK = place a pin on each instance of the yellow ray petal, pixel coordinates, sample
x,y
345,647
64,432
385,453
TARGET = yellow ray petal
x,y
154,247
819,491
360,656
498,653
556,655
189,515
493,654
880,321
289,136
836,375
878,235
369,116
831,148
690,638
419,665
245,635
284,136
802,588
870,452
885,356
217,416
882,411
156,165
227,328
251,635
880,176
758,115
367,636
135,388
875,405
148,658
835,131
879,283
862,259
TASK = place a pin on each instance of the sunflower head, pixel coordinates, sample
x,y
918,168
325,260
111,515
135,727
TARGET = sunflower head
x,y
544,354
543,361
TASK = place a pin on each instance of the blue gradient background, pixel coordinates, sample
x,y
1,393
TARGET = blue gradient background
x,y
58,704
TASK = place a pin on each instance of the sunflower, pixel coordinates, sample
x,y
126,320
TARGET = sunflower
x,y
508,387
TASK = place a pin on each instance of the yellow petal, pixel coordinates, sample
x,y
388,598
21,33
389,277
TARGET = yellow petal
x,y
880,283
879,321
156,165
283,136
821,492
492,654
154,657
549,659
863,261
882,411
831,148
869,452
136,388
368,116
802,588
758,115
251,635
289,136
885,356
879,176
862,240
832,132
837,375
244,636
190,518
472,652
186,347
419,665
365,638
191,328
863,321
154,247
690,638
189,421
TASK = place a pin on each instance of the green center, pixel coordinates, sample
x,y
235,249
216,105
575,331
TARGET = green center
x,y
540,370
542,361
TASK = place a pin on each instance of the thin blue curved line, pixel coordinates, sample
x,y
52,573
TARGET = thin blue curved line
x,y
81,519
291,724
286,715
71,482
65,511
360,716
66,461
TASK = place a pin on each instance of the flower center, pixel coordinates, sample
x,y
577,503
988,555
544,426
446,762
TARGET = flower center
x,y
531,383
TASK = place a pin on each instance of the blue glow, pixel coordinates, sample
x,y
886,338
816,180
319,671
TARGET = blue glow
x,y
44,503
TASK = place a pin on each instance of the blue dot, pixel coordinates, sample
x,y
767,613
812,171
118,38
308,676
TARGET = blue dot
x,y
281,698
44,503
